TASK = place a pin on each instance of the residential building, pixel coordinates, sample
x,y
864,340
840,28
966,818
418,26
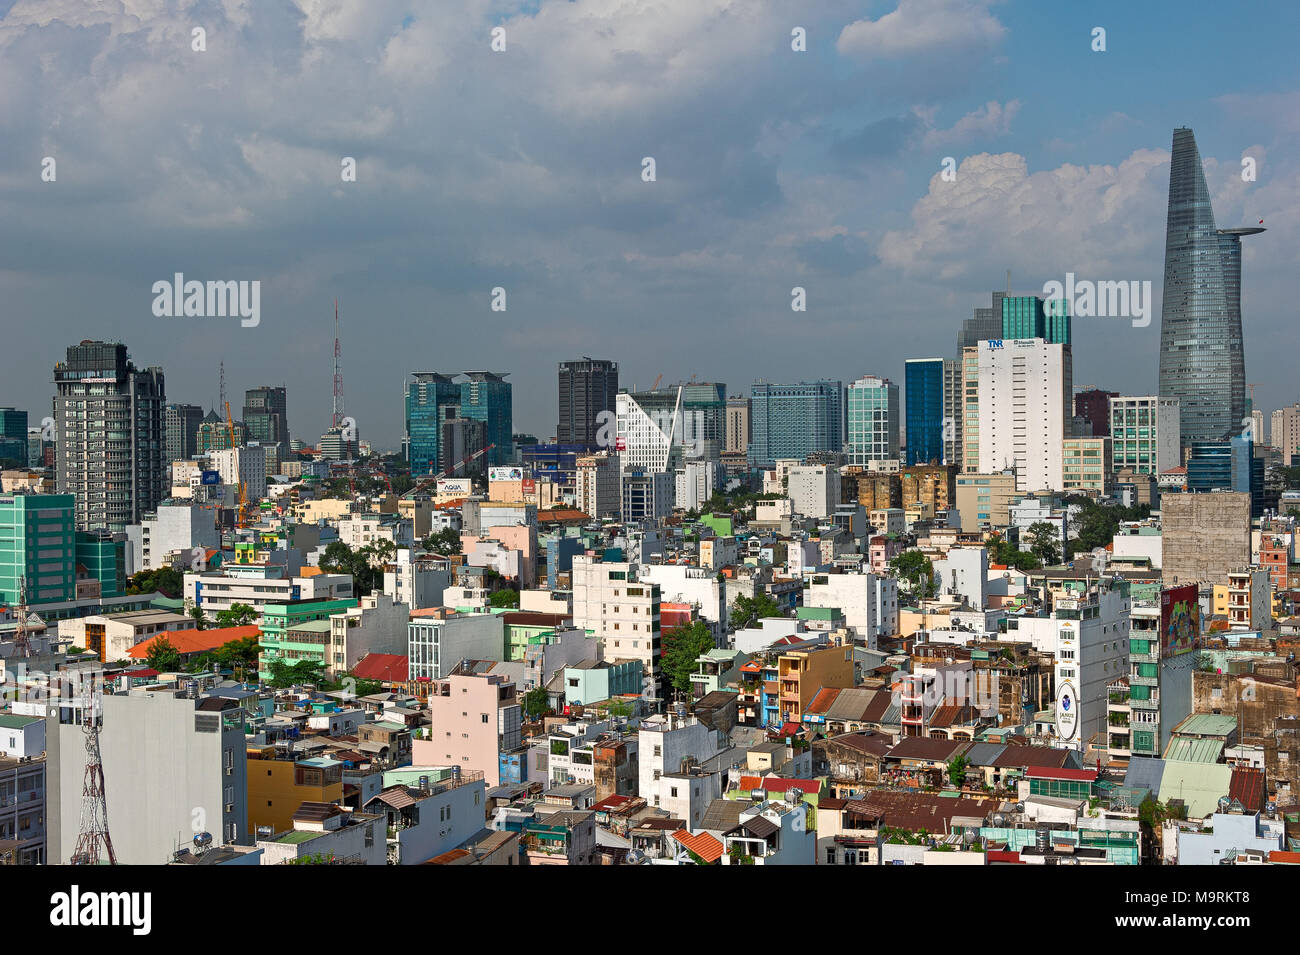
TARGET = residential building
x,y
180,430
23,813
327,832
377,625
737,435
242,467
1284,433
598,489
258,585
168,537
280,782
814,490
473,720
173,766
108,416
111,636
440,638
984,500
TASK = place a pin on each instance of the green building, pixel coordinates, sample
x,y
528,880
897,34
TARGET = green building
x,y
103,558
295,631
38,544
1028,316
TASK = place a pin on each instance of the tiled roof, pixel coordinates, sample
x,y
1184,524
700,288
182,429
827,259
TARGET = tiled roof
x,y
1026,756
821,703
779,784
196,641
386,667
923,747
701,843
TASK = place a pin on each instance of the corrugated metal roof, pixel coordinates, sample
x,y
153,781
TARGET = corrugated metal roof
x,y
1192,750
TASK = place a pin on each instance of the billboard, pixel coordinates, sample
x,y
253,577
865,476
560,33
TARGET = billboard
x,y
1180,619
530,486
209,477
459,486
505,474
1067,712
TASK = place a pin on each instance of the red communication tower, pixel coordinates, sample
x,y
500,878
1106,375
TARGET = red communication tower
x,y
93,841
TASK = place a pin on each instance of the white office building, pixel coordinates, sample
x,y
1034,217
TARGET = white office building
x,y
1144,433
242,465
1025,401
873,421
814,491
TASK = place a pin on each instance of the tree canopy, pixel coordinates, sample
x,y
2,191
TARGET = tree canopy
x,y
163,655
746,611
681,648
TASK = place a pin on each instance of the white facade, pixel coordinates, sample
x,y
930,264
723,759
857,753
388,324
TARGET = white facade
x,y
869,602
1145,433
242,465
378,625
814,490
696,482
258,585
663,742
1025,398
698,586
416,583
964,572
439,641
175,528
598,491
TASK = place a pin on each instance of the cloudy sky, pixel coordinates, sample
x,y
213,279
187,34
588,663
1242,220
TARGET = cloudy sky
x,y
523,169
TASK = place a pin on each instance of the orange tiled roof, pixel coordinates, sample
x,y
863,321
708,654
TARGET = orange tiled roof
x,y
701,843
196,641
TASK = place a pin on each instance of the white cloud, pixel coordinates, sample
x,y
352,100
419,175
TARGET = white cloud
x,y
921,27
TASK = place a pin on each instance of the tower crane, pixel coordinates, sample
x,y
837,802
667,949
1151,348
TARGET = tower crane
x,y
241,520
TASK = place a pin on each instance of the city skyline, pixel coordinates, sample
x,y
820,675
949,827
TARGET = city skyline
x,y
845,199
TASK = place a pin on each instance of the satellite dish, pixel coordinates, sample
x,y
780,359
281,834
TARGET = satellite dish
x,y
634,857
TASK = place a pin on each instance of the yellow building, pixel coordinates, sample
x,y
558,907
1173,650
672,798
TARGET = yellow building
x,y
802,673
277,787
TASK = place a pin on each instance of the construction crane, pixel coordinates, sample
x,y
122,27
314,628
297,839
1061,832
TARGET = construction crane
x,y
22,644
446,472
241,520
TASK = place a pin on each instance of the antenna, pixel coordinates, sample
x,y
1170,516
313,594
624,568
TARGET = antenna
x,y
221,387
338,371
21,644
93,837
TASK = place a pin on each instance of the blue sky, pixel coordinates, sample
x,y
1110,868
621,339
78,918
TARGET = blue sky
x,y
522,170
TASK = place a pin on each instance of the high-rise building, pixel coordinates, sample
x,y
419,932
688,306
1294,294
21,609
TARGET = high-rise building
x,y
970,408
984,325
872,420
108,415
486,396
431,398
13,435
587,387
460,438
1144,431
738,431
266,416
954,406
181,425
1201,357
1024,400
1093,406
1230,465
659,429
923,381
1029,316
1086,466
214,434
793,421
1284,433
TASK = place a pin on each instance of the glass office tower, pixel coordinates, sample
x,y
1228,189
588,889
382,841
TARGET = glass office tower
x,y
1201,359
923,380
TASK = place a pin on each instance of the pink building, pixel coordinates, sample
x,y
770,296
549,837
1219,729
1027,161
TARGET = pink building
x,y
882,550
517,537
473,719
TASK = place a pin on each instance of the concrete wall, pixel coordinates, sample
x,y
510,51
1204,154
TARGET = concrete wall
x,y
1204,536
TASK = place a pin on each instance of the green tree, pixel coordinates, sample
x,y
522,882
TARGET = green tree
x,y
1044,543
239,656
746,611
237,615
536,703
163,656
199,618
285,675
915,568
444,543
682,647
167,581
957,770
504,598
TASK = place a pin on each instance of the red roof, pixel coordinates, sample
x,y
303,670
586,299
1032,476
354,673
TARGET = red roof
x,y
1282,857
701,843
822,701
195,641
1247,785
613,801
385,667
1003,855
779,784
790,729
1038,772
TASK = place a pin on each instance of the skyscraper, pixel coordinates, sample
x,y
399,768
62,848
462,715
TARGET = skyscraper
x,y
266,416
1201,358
793,421
181,428
1029,316
431,398
486,396
872,420
109,420
984,325
587,387
923,382
1024,390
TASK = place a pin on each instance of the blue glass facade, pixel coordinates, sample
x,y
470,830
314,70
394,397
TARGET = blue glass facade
x,y
430,398
923,382
793,421
1230,466
1201,357
489,398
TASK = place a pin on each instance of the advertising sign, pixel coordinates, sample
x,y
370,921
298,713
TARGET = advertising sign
x,y
459,486
505,474
1067,711
210,477
1180,620
530,486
